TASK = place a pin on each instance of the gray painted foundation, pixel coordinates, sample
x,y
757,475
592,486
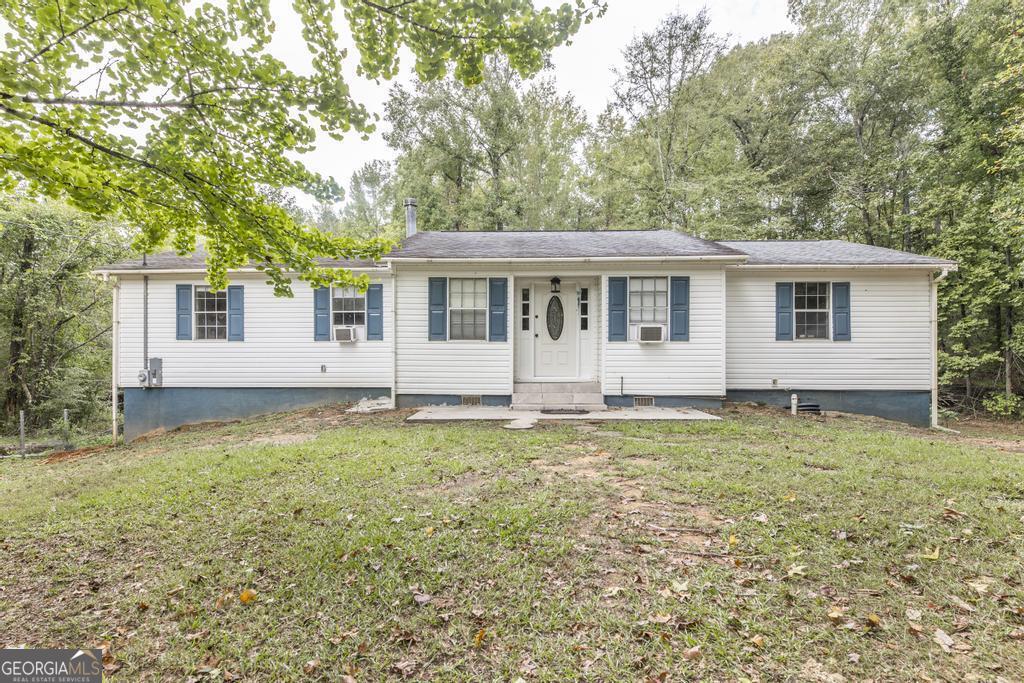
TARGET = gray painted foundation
x,y
904,406
422,400
162,408
626,401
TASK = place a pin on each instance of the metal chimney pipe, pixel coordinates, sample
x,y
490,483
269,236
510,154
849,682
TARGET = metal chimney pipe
x,y
410,216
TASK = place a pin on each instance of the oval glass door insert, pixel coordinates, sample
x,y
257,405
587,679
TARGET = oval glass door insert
x,y
556,318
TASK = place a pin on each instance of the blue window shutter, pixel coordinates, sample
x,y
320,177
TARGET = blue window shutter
x,y
497,309
183,309
679,302
437,299
236,313
616,309
322,314
784,311
841,311
375,312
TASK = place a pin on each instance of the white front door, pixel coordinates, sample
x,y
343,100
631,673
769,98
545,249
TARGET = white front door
x,y
556,332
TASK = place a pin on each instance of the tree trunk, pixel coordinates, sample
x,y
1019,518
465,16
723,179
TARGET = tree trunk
x,y
1007,352
16,362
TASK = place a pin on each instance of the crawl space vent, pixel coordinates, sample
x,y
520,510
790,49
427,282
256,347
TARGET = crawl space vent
x,y
470,400
643,401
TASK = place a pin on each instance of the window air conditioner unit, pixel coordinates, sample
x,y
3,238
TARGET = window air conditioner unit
x,y
344,335
650,334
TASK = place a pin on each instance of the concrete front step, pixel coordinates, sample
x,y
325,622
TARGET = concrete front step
x,y
589,407
560,398
556,388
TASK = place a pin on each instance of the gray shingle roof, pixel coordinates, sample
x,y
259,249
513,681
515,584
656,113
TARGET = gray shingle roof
x,y
544,244
827,252
168,260
591,244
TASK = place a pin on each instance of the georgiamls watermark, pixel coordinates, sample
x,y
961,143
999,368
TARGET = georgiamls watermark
x,y
51,666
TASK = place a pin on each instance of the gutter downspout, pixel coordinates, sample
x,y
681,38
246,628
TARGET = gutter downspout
x,y
145,322
934,296
394,337
115,332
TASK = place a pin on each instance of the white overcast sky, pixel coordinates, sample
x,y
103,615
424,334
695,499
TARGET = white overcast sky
x,y
583,68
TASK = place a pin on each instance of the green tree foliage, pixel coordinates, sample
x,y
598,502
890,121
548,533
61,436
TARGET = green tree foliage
x,y
171,115
501,154
895,123
54,315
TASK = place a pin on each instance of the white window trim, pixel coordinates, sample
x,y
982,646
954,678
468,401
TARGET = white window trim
x,y
827,310
528,316
196,312
631,327
360,330
580,317
486,309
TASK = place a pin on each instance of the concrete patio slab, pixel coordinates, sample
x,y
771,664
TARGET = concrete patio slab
x,y
455,413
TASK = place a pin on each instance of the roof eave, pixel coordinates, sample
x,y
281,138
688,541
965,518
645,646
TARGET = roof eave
x,y
950,266
737,258
191,271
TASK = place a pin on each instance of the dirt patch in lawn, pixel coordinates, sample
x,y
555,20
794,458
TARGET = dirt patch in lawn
x,y
285,439
685,532
74,454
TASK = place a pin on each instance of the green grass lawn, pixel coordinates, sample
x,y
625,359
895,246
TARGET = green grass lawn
x,y
761,547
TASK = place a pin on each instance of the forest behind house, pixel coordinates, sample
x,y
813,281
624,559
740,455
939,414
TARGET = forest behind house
x,y
897,124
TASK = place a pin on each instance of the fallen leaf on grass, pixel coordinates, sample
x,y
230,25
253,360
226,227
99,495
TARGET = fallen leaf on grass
x,y
405,667
692,653
311,666
680,586
247,596
757,641
915,628
873,620
943,639
1017,634
796,570
790,497
422,598
478,639
612,591
932,555
835,615
960,603
981,584
913,614
429,531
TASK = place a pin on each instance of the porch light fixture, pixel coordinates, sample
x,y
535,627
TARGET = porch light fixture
x,y
556,285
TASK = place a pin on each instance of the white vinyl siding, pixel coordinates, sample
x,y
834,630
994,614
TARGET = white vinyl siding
x,y
694,368
279,350
890,345
455,366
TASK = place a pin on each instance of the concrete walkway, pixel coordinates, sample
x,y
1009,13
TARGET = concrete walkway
x,y
523,419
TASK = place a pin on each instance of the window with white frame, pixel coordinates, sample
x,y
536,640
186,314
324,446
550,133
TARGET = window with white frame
x,y
584,298
810,306
525,310
348,307
467,308
648,300
211,313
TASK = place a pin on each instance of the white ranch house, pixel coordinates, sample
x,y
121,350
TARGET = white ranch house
x,y
537,319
